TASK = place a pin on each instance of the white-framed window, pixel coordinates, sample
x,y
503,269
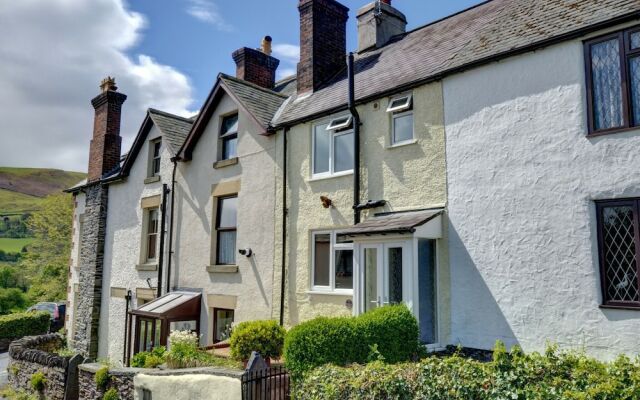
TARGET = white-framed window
x,y
155,147
333,147
229,137
151,241
332,263
226,230
401,110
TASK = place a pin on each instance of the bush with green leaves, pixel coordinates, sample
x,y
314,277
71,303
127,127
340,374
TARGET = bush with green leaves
x,y
149,359
31,323
388,333
38,380
102,378
514,375
111,394
265,337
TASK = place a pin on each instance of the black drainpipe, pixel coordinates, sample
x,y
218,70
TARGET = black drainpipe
x,y
284,225
173,199
163,231
127,298
356,140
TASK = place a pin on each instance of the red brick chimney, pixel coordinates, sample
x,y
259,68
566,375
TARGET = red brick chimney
x,y
257,66
323,42
104,151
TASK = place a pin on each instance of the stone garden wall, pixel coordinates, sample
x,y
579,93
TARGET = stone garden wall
x,y
34,354
120,378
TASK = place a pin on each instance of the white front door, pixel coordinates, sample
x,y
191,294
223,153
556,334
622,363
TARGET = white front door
x,y
386,274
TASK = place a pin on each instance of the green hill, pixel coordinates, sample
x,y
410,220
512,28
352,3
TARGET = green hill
x,y
22,189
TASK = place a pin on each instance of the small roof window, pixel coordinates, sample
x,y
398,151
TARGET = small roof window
x,y
340,123
400,104
229,125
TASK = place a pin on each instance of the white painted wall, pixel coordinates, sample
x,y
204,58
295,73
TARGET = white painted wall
x,y
123,245
522,177
195,224
187,387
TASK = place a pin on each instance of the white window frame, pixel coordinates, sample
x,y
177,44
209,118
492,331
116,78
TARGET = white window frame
x,y
332,263
333,133
340,123
152,158
400,112
145,237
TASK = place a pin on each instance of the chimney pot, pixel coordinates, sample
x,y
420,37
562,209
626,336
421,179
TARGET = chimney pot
x,y
266,45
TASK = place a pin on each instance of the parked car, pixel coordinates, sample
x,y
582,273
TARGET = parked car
x,y
57,311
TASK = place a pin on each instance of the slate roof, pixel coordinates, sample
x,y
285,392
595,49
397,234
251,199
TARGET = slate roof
x,y
403,222
493,29
174,128
260,102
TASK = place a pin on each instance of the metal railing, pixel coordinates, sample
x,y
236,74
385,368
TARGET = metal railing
x,y
270,383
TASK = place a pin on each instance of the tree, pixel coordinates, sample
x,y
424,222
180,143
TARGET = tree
x,y
47,261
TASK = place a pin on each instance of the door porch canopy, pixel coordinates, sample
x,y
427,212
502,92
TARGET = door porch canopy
x,y
423,223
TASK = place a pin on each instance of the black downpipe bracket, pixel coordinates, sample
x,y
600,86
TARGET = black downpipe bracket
x,y
163,231
173,199
356,140
284,225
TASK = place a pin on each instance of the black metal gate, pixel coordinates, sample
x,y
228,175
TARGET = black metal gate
x,y
266,384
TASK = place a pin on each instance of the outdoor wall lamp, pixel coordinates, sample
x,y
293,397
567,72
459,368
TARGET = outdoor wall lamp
x,y
246,252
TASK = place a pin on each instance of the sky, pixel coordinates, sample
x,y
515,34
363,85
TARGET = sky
x,y
164,54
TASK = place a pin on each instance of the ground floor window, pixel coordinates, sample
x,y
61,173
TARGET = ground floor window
x,y
222,324
619,246
332,266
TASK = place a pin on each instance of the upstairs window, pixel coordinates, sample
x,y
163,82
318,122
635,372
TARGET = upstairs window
x,y
619,246
613,81
229,137
332,267
152,235
226,227
333,147
401,110
154,157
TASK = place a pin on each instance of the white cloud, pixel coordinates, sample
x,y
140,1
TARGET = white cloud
x,y
51,62
207,11
289,55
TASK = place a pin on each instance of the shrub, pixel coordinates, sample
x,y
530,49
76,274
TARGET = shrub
x,y
102,378
514,375
184,353
149,359
17,325
111,394
38,381
389,333
265,337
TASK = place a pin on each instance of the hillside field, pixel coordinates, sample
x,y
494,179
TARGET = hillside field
x,y
10,245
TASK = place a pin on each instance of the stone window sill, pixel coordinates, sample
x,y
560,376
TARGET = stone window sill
x,y
225,163
610,307
147,267
152,179
223,269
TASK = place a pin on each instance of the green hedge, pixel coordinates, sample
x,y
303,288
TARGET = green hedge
x,y
15,326
515,375
388,333
265,337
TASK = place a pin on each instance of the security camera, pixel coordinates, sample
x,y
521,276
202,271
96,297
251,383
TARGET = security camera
x,y
246,252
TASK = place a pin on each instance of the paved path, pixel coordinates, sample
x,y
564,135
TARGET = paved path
x,y
4,363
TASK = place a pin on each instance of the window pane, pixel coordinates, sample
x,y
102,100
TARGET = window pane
x,y
224,320
151,247
153,221
344,269
156,149
634,83
229,125
228,212
343,151
403,128
227,247
395,275
619,253
607,87
635,40
322,260
321,142
229,148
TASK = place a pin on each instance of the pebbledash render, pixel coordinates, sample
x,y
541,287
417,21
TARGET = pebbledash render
x,y
491,188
